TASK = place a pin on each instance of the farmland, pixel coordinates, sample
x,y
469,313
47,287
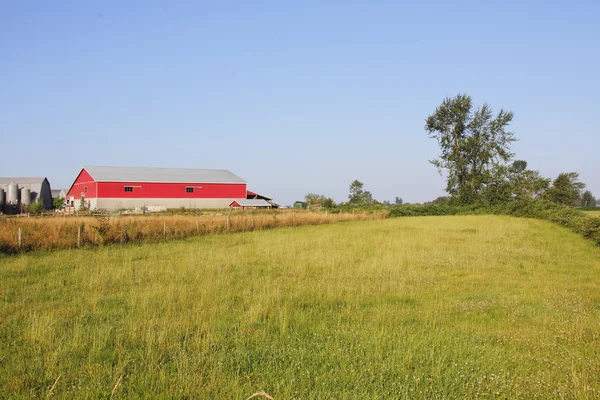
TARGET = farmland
x,y
423,307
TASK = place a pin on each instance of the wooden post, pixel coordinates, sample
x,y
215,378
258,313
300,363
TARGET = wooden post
x,y
20,242
228,217
197,226
79,236
164,228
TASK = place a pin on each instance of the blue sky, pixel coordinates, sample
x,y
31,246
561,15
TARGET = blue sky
x,y
294,97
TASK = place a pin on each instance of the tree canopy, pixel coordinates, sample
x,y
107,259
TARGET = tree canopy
x,y
588,199
358,195
566,189
314,199
473,144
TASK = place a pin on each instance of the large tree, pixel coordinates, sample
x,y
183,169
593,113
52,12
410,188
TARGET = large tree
x,y
473,144
358,195
526,184
566,189
588,199
314,199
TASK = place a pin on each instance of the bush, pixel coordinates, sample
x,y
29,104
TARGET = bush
x,y
34,208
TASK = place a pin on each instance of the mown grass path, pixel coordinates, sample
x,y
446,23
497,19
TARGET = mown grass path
x,y
428,307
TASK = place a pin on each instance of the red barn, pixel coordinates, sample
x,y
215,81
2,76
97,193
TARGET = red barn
x,y
113,188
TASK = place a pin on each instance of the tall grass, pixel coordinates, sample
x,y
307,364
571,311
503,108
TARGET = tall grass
x,y
410,308
586,224
53,233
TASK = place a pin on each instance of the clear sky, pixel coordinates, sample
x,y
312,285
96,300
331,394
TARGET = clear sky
x,y
294,97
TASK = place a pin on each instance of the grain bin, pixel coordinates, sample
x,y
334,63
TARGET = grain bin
x,y
12,194
25,196
2,199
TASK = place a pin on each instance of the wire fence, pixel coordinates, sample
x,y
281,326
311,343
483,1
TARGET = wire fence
x,y
55,233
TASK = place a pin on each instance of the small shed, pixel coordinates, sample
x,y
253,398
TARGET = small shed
x,y
250,204
59,194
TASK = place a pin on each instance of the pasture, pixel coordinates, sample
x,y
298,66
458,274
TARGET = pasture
x,y
423,307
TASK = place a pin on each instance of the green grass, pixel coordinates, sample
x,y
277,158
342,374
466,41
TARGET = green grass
x,y
424,307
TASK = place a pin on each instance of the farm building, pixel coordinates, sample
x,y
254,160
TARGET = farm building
x,y
250,195
115,188
59,194
20,191
250,204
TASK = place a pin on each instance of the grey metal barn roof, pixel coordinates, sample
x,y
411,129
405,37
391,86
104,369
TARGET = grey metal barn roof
x,y
162,175
22,180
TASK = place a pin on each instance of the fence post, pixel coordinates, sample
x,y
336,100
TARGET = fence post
x,y
164,228
197,225
79,236
228,217
20,242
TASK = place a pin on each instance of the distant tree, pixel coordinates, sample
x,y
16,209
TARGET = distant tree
x,y
398,201
386,203
588,199
441,200
328,202
58,203
313,199
566,189
526,184
472,142
358,195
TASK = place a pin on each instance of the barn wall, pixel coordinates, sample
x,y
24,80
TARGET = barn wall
x,y
170,190
84,184
116,203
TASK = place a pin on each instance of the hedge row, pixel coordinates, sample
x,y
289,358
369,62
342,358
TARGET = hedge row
x,y
576,220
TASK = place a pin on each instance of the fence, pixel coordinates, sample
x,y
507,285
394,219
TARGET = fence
x,y
53,233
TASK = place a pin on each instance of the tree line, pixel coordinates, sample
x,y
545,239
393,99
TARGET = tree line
x,y
478,162
475,153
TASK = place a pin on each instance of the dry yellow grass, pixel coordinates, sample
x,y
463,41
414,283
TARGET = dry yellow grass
x,y
51,233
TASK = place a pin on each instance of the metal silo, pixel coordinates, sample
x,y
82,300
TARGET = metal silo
x,y
2,199
25,196
12,195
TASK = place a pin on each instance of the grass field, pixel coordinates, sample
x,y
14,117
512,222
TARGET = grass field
x,y
424,307
593,213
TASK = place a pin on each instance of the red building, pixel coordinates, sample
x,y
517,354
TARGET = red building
x,y
114,188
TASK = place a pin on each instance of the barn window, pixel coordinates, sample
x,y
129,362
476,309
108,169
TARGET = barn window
x,y
85,189
189,190
129,188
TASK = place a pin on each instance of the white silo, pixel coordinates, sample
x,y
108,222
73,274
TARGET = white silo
x,y
12,194
25,196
